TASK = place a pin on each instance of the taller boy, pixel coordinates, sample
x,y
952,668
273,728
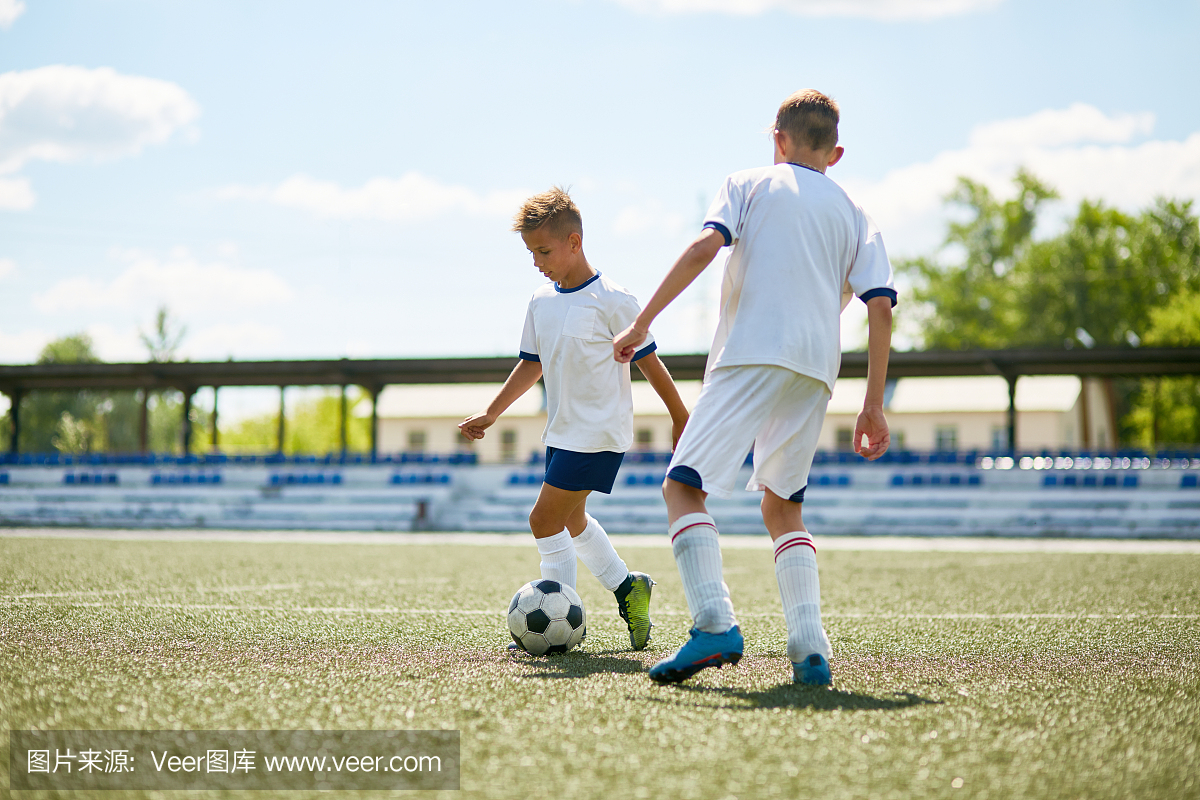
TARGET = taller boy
x,y
798,240
589,402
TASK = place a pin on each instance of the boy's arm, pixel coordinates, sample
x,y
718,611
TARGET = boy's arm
x,y
871,422
693,261
520,381
658,377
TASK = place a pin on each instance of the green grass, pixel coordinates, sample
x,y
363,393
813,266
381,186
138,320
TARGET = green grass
x,y
956,675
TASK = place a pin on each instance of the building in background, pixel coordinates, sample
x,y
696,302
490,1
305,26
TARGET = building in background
x,y
1053,412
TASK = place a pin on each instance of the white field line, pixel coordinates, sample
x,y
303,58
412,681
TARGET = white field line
x,y
949,544
260,587
16,601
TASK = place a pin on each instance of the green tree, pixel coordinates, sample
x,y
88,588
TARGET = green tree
x,y
43,414
1167,410
163,342
970,303
311,426
1099,282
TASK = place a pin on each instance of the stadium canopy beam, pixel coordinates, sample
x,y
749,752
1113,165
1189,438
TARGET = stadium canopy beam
x,y
375,374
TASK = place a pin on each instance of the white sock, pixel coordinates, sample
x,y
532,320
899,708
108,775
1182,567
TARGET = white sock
x,y
597,554
558,557
800,590
698,556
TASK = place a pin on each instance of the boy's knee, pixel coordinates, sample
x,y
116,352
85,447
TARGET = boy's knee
x,y
539,518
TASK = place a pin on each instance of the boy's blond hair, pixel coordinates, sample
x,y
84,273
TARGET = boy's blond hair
x,y
811,118
554,208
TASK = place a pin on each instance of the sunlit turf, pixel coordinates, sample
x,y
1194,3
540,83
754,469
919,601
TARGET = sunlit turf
x,y
956,675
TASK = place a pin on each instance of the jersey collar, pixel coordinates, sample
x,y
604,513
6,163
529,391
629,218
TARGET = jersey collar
x,y
560,290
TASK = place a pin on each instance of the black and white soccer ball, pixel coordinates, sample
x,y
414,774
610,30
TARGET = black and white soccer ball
x,y
546,616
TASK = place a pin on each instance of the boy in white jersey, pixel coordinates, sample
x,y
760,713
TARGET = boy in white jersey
x,y
567,341
798,240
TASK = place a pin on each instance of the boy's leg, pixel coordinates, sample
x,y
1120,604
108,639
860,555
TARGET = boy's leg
x,y
732,406
799,588
548,521
632,589
697,552
715,639
782,457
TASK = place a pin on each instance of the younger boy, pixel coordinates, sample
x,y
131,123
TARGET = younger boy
x,y
797,241
568,337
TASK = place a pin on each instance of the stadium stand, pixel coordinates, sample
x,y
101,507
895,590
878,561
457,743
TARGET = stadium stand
x,y
1128,493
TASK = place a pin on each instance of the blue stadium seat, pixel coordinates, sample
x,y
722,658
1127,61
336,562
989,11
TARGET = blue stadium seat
x,y
1050,480
1129,482
1186,482
1109,480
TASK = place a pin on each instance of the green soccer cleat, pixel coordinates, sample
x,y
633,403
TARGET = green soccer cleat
x,y
633,603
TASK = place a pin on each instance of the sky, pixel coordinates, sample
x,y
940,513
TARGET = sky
x,y
314,180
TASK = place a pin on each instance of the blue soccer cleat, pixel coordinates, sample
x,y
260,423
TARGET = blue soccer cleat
x,y
701,651
812,671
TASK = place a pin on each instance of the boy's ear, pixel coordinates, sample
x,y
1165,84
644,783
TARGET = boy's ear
x,y
835,155
575,240
782,141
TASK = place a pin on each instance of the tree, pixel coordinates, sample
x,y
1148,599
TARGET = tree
x,y
311,426
1167,410
970,304
43,414
165,409
163,342
1099,282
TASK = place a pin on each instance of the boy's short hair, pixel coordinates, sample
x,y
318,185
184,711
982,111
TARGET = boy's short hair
x,y
811,118
554,208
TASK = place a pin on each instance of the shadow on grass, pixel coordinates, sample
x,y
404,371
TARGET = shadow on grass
x,y
793,696
579,665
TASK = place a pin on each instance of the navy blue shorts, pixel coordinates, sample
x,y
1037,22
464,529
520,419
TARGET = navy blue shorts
x,y
577,472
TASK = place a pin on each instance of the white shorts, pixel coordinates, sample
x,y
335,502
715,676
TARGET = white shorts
x,y
776,411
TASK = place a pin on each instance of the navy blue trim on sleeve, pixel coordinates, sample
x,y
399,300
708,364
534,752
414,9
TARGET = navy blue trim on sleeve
x,y
645,351
592,279
531,357
881,292
721,229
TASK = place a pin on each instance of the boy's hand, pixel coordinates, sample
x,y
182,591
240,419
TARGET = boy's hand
x,y
872,424
676,432
473,427
626,343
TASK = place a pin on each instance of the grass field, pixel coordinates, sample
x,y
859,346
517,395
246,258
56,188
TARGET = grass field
x,y
980,675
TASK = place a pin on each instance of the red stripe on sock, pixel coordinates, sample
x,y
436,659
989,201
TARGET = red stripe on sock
x,y
689,527
806,542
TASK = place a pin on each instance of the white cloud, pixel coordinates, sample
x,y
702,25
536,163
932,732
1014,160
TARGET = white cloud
x,y
15,194
22,347
865,9
242,339
409,198
1080,151
7,267
62,113
9,11
649,216
179,281
1056,127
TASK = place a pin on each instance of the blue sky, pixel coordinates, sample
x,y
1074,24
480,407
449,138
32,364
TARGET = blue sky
x,y
307,180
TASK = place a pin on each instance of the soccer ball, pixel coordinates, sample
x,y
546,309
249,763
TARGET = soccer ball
x,y
546,617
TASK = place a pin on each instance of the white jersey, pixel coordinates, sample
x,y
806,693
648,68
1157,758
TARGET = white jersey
x,y
589,404
798,239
